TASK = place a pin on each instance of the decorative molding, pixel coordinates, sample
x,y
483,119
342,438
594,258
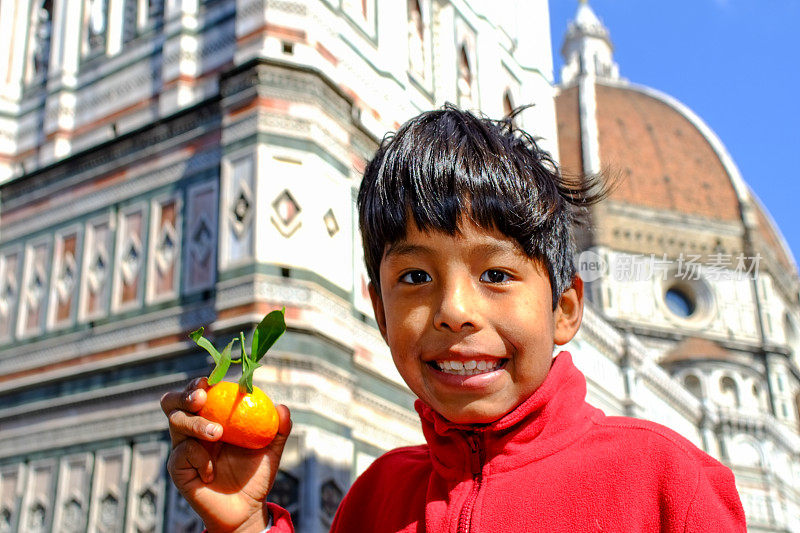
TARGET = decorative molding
x,y
95,396
61,433
106,158
137,185
103,338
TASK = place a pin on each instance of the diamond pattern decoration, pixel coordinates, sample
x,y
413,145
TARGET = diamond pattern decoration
x,y
285,213
201,240
5,520
67,278
98,270
330,498
109,508
131,259
241,211
286,207
36,286
167,248
330,223
73,516
36,518
147,506
7,295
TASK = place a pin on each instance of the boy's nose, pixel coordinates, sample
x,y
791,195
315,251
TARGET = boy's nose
x,y
456,309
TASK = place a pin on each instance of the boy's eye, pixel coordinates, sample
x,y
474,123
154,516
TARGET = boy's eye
x,y
415,277
495,276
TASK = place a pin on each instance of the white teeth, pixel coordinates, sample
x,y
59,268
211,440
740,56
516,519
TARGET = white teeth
x,y
467,368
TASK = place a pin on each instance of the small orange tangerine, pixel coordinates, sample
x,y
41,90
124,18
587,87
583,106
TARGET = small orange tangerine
x,y
247,420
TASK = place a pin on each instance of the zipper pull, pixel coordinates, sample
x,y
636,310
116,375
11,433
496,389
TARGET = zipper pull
x,y
475,455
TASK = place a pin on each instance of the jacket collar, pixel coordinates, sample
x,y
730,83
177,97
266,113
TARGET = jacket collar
x,y
554,416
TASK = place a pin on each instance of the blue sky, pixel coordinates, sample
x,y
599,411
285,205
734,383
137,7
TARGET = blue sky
x,y
736,63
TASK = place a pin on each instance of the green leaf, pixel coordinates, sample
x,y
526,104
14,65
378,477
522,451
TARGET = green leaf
x,y
267,332
222,365
248,369
197,336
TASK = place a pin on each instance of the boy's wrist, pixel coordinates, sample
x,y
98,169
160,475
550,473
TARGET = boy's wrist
x,y
259,522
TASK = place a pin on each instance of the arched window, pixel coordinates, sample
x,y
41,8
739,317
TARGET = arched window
x,y
729,391
692,384
95,27
140,15
41,39
464,78
416,39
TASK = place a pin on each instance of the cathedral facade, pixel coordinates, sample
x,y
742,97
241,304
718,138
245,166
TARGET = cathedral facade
x,y
167,165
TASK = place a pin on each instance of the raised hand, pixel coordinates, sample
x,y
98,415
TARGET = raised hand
x,y
225,484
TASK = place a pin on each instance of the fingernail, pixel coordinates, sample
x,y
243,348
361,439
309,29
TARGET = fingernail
x,y
212,429
192,397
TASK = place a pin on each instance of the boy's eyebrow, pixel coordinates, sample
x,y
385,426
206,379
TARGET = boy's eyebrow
x,y
403,248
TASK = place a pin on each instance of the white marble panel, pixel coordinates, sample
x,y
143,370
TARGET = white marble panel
x,y
109,489
147,487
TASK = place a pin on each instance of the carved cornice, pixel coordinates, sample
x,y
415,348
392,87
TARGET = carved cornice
x,y
136,185
111,155
111,336
69,431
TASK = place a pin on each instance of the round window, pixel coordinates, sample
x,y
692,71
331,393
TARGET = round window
x,y
679,302
687,302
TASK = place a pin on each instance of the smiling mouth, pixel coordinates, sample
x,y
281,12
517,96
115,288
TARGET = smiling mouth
x,y
469,368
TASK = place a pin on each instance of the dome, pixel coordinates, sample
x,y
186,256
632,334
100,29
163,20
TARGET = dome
x,y
664,158
663,161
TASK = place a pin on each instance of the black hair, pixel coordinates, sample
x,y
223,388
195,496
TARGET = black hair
x,y
448,163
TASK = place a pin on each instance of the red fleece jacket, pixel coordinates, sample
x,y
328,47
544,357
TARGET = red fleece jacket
x,y
553,464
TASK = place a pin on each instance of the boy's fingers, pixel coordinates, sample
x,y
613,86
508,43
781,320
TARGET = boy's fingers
x,y
188,460
285,420
284,428
192,398
183,425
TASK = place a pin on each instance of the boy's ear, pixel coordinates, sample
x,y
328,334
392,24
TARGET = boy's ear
x,y
377,308
569,312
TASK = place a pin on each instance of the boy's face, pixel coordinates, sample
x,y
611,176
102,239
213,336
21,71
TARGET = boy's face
x,y
469,320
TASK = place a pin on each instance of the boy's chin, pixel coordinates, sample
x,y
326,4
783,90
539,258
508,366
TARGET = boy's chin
x,y
472,416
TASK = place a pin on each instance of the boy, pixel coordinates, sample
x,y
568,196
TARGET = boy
x,y
466,238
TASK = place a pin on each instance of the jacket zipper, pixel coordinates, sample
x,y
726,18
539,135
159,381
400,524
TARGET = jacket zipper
x,y
476,465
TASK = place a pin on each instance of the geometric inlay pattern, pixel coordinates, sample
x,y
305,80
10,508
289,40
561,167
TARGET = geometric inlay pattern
x,y
330,223
67,278
131,259
36,286
285,213
109,509
98,269
167,248
330,498
201,242
286,207
241,210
